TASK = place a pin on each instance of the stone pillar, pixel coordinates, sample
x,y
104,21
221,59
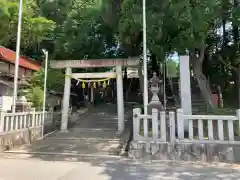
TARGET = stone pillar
x,y
120,102
185,88
66,99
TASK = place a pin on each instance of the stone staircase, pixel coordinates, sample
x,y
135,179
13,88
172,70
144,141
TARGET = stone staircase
x,y
94,135
198,104
100,143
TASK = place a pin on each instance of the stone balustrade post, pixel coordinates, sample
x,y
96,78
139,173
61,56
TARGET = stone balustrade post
x,y
238,116
33,117
2,116
180,124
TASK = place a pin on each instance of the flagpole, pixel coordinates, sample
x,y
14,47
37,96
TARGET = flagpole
x,y
17,56
145,74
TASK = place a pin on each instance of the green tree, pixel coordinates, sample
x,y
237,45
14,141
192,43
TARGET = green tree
x,y
172,70
34,94
55,80
182,26
78,29
35,28
83,34
34,89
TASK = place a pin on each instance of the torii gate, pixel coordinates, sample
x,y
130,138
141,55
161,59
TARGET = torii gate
x,y
93,63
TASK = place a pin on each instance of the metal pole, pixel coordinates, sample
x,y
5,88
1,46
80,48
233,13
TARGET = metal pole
x,y
17,56
44,89
145,74
164,83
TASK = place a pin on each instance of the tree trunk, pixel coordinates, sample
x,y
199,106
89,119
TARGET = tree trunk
x,y
202,81
205,89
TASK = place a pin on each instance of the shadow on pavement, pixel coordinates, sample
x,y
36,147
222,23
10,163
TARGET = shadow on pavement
x,y
94,148
97,168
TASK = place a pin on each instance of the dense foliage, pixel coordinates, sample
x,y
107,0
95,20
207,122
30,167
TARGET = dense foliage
x,y
206,30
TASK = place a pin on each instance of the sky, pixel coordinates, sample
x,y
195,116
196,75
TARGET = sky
x,y
174,57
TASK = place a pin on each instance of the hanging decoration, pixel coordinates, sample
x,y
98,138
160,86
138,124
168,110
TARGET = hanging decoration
x,y
92,80
83,85
94,83
104,84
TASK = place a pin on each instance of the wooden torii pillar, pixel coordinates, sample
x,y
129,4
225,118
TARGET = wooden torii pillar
x,y
94,63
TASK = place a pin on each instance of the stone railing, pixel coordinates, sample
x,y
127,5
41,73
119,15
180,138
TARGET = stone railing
x,y
169,127
151,127
213,129
23,127
21,120
176,136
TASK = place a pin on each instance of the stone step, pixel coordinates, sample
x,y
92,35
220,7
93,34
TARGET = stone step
x,y
197,101
198,104
61,157
88,133
99,139
100,125
72,147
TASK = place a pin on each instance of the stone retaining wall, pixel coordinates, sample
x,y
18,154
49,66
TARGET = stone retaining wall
x,y
20,137
185,152
16,138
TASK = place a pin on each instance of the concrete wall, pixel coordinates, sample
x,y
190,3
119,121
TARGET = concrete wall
x,y
20,137
5,97
186,152
53,101
9,140
6,102
9,68
3,89
6,91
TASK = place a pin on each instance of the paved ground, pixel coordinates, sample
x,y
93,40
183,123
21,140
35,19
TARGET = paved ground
x,y
88,151
112,169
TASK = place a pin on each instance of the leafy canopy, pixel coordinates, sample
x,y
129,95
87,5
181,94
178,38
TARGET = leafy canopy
x,y
35,28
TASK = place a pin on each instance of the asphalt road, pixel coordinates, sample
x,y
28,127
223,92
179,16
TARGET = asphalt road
x,y
68,156
113,169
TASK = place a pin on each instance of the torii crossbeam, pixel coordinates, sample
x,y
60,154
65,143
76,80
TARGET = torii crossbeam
x,y
93,63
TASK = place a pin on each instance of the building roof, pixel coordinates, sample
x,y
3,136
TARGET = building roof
x,y
9,56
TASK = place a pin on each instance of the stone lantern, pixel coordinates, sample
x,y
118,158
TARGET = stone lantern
x,y
22,105
155,103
